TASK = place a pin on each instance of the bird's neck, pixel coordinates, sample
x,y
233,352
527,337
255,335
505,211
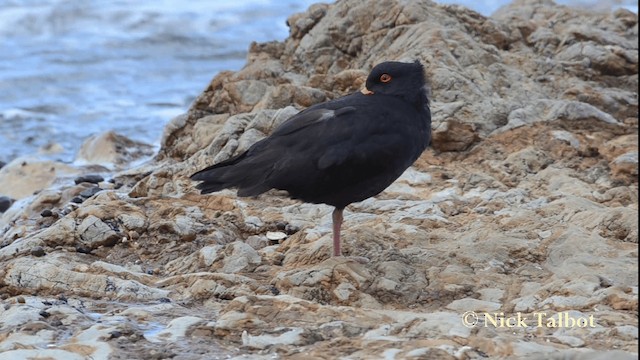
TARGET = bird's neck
x,y
419,99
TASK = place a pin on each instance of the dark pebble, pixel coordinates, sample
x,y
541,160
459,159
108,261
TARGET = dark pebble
x,y
44,314
115,334
94,179
66,210
164,300
83,249
87,193
38,251
46,213
62,298
56,323
77,200
5,203
290,229
281,225
275,290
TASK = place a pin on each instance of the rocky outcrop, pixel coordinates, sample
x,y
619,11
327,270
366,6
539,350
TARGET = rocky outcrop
x,y
521,218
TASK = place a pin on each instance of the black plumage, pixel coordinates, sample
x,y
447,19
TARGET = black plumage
x,y
338,152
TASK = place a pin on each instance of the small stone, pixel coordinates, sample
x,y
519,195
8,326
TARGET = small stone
x,y
276,235
46,213
291,229
44,314
77,200
94,179
20,300
258,242
87,193
38,251
83,249
115,334
5,203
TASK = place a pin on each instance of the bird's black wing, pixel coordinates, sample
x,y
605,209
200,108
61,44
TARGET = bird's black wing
x,y
250,171
310,117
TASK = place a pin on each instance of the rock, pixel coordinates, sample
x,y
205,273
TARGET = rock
x,y
38,251
23,177
112,150
626,164
46,213
92,178
283,337
5,203
550,110
569,340
452,135
276,235
240,257
469,304
176,329
56,275
93,233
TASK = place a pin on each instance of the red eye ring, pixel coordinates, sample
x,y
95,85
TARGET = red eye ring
x,y
385,78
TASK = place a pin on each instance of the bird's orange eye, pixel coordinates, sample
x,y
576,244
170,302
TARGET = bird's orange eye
x,y
385,78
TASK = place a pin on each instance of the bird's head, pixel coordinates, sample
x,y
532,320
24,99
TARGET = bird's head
x,y
405,80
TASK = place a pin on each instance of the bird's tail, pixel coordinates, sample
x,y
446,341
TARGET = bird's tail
x,y
240,172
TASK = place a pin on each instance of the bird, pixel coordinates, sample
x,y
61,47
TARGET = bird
x,y
338,152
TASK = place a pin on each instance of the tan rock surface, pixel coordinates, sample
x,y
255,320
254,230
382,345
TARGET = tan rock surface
x,y
523,213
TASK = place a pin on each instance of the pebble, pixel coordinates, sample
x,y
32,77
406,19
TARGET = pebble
x,y
87,193
291,229
94,179
46,213
5,203
83,249
38,251
77,200
276,235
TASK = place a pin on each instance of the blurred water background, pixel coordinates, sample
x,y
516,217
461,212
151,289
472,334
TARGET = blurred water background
x,y
69,69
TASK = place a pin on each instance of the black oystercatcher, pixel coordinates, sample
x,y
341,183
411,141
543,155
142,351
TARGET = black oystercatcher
x,y
338,152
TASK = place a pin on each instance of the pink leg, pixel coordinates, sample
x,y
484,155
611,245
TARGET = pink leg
x,y
337,224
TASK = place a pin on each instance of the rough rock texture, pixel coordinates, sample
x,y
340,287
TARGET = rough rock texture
x,y
515,236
